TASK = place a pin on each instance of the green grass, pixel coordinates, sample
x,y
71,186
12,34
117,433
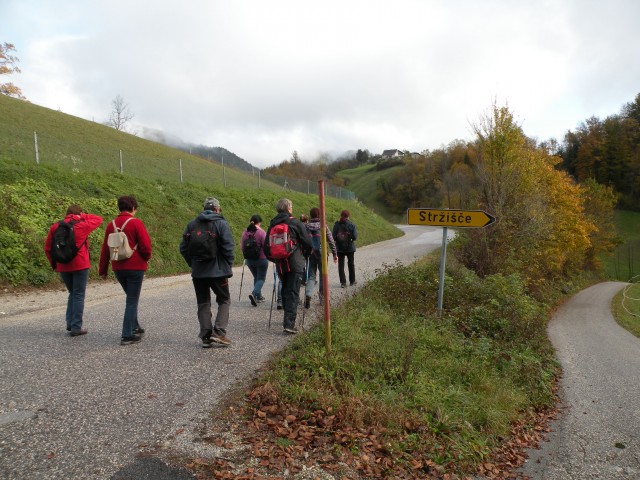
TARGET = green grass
x,y
363,181
461,380
626,308
79,164
624,262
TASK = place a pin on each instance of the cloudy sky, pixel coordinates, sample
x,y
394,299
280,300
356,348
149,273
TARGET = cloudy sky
x,y
264,78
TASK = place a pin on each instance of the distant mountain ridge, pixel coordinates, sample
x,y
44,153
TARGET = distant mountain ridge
x,y
216,154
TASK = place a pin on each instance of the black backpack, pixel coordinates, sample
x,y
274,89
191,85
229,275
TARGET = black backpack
x,y
343,238
63,246
250,248
203,242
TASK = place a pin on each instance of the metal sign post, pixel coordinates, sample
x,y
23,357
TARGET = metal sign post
x,y
447,218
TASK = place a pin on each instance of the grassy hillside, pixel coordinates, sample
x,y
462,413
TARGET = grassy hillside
x,y
79,164
363,181
79,145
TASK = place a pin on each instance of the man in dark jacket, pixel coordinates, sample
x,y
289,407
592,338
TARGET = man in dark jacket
x,y
290,269
345,234
210,272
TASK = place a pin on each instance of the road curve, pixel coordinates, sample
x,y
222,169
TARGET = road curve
x,y
597,435
84,407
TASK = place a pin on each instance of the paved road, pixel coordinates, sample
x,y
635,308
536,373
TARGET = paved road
x,y
85,407
598,434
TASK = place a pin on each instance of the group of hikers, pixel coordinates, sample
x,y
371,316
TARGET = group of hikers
x,y
207,245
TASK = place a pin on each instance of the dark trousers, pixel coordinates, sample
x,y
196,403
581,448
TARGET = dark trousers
x,y
203,288
290,297
350,264
131,283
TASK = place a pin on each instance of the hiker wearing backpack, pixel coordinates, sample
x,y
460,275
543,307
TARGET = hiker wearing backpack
x,y
252,241
207,247
67,250
315,261
127,247
288,243
344,234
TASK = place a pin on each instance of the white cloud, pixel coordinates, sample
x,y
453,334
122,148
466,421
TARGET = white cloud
x,y
266,78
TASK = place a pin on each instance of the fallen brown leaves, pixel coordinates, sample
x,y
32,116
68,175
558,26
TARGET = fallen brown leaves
x,y
282,440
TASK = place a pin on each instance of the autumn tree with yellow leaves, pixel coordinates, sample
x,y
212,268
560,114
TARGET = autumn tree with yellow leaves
x,y
543,229
7,67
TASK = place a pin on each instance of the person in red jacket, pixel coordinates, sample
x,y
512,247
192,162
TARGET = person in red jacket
x,y
74,274
128,272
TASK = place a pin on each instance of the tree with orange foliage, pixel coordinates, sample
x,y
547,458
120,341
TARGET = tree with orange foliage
x,y
544,228
7,67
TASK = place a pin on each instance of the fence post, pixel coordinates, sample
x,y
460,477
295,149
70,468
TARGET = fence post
x,y
121,165
180,170
258,178
224,173
35,141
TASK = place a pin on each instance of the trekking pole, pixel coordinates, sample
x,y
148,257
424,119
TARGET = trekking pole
x,y
241,279
273,294
304,309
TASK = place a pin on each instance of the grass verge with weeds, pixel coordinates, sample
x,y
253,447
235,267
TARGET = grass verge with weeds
x,y
436,394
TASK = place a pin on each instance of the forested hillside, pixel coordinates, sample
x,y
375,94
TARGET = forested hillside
x,y
608,151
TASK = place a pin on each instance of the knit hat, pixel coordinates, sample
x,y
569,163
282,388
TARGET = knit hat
x,y
211,203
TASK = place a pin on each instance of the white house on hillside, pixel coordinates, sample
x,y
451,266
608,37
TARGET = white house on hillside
x,y
392,153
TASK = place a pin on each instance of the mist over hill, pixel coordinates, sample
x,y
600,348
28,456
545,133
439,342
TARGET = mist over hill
x,y
215,154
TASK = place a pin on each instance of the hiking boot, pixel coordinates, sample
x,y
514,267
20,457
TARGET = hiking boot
x,y
353,283
290,330
221,339
260,299
207,342
130,340
343,285
77,333
253,300
138,331
307,301
279,306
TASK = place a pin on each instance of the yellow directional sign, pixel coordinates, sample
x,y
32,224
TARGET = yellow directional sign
x,y
449,218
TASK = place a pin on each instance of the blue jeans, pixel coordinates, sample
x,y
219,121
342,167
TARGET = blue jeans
x,y
314,265
258,269
76,283
131,283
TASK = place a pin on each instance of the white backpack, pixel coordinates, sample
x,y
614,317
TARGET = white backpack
x,y
119,243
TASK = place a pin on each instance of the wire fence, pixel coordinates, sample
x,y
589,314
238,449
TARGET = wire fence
x,y
154,163
311,186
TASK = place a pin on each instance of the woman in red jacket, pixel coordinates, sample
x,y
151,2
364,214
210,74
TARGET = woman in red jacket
x,y
128,272
74,274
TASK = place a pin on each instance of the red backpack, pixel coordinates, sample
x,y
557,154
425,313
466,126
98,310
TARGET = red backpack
x,y
281,245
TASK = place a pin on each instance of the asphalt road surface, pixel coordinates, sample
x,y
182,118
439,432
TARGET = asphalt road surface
x,y
86,407
597,436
